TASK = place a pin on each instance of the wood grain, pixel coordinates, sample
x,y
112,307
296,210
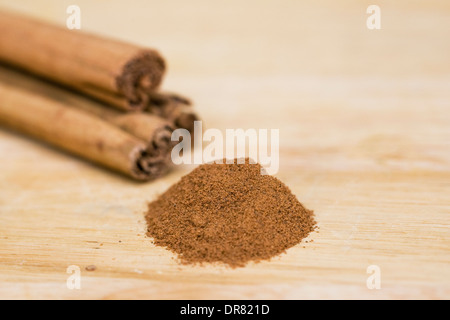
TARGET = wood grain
x,y
364,119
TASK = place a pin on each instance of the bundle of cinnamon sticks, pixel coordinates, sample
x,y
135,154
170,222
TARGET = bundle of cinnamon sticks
x,y
114,115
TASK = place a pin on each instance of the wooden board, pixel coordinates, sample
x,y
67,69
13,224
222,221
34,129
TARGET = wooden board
x,y
364,119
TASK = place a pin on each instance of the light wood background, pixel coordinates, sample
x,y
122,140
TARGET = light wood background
x,y
364,119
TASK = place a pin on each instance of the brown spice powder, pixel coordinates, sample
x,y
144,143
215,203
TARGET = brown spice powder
x,y
228,213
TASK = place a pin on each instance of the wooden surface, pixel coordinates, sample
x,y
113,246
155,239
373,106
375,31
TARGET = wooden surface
x,y
364,119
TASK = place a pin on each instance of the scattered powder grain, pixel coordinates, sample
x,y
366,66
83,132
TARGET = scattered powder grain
x,y
228,213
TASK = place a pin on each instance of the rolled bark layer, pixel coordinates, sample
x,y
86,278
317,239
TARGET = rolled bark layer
x,y
173,107
112,71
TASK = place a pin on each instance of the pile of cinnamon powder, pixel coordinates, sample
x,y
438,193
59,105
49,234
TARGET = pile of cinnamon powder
x,y
228,213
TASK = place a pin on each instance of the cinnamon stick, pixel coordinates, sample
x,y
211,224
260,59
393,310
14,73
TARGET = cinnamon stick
x,y
81,133
152,129
115,72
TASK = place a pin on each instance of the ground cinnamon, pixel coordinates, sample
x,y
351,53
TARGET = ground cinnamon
x,y
228,213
